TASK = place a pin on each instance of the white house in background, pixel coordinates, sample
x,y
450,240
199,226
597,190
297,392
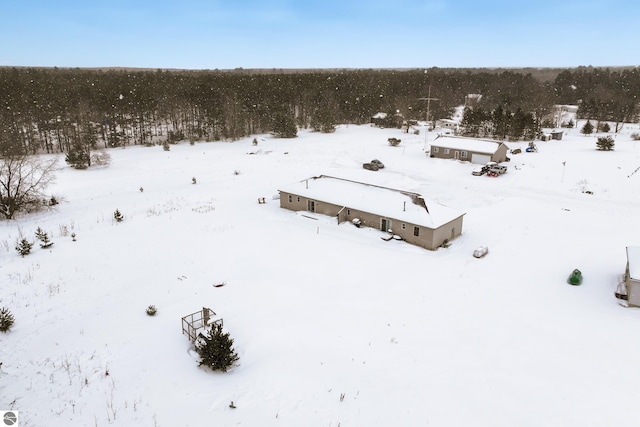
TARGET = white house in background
x,y
472,99
451,124
468,149
631,279
401,213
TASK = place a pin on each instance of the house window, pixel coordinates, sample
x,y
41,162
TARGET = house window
x,y
435,149
463,154
311,205
446,151
404,226
348,211
416,231
298,199
290,198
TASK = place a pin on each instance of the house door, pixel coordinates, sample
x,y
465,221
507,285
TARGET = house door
x,y
311,205
385,224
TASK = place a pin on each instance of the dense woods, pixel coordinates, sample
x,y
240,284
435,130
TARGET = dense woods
x,y
74,111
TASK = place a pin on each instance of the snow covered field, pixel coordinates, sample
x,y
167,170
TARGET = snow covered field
x,y
333,325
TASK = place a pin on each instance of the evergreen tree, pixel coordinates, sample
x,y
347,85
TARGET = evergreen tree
x,y
78,157
216,349
604,127
24,247
605,143
79,154
587,129
42,235
323,120
284,125
6,319
118,216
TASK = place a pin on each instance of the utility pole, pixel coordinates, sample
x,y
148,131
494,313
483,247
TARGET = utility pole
x,y
428,99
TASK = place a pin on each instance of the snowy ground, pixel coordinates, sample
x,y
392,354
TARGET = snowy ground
x,y
333,325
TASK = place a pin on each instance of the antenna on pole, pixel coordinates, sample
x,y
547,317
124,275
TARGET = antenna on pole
x,y
428,99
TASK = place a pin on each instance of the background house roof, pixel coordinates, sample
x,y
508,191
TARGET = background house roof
x,y
383,201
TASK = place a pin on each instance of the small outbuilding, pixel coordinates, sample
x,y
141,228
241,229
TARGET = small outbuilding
x,y
556,134
630,284
472,150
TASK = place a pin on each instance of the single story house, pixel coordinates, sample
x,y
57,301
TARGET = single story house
x,y
454,125
400,213
468,149
631,278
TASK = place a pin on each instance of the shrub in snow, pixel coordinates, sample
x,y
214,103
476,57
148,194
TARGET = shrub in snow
x,y
605,143
216,349
193,180
42,235
118,216
100,158
587,129
151,310
24,247
635,136
604,127
6,319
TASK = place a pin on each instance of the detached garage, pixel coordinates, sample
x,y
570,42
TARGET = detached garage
x,y
468,149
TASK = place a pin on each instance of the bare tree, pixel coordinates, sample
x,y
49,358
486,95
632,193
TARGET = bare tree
x,y
23,180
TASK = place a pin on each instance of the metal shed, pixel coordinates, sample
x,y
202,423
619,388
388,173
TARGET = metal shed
x,y
631,279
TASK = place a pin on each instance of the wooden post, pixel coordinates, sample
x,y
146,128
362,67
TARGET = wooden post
x,y
205,315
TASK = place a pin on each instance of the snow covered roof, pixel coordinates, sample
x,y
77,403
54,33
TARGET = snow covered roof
x,y
386,202
380,116
475,145
633,258
452,121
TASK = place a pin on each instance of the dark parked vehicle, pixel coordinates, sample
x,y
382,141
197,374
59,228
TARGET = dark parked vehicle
x,y
378,163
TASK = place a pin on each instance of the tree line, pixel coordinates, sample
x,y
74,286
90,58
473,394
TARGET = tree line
x,y
51,110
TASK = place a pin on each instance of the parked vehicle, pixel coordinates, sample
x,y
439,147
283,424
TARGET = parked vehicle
x,y
499,168
377,162
495,169
370,166
480,251
480,170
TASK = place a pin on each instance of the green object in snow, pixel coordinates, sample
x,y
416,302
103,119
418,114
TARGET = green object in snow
x,y
575,278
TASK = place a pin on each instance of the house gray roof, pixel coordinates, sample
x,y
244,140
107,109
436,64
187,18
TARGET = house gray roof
x,y
386,202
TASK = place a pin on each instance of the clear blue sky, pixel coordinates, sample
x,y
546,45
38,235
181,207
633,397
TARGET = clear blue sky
x,y
223,34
